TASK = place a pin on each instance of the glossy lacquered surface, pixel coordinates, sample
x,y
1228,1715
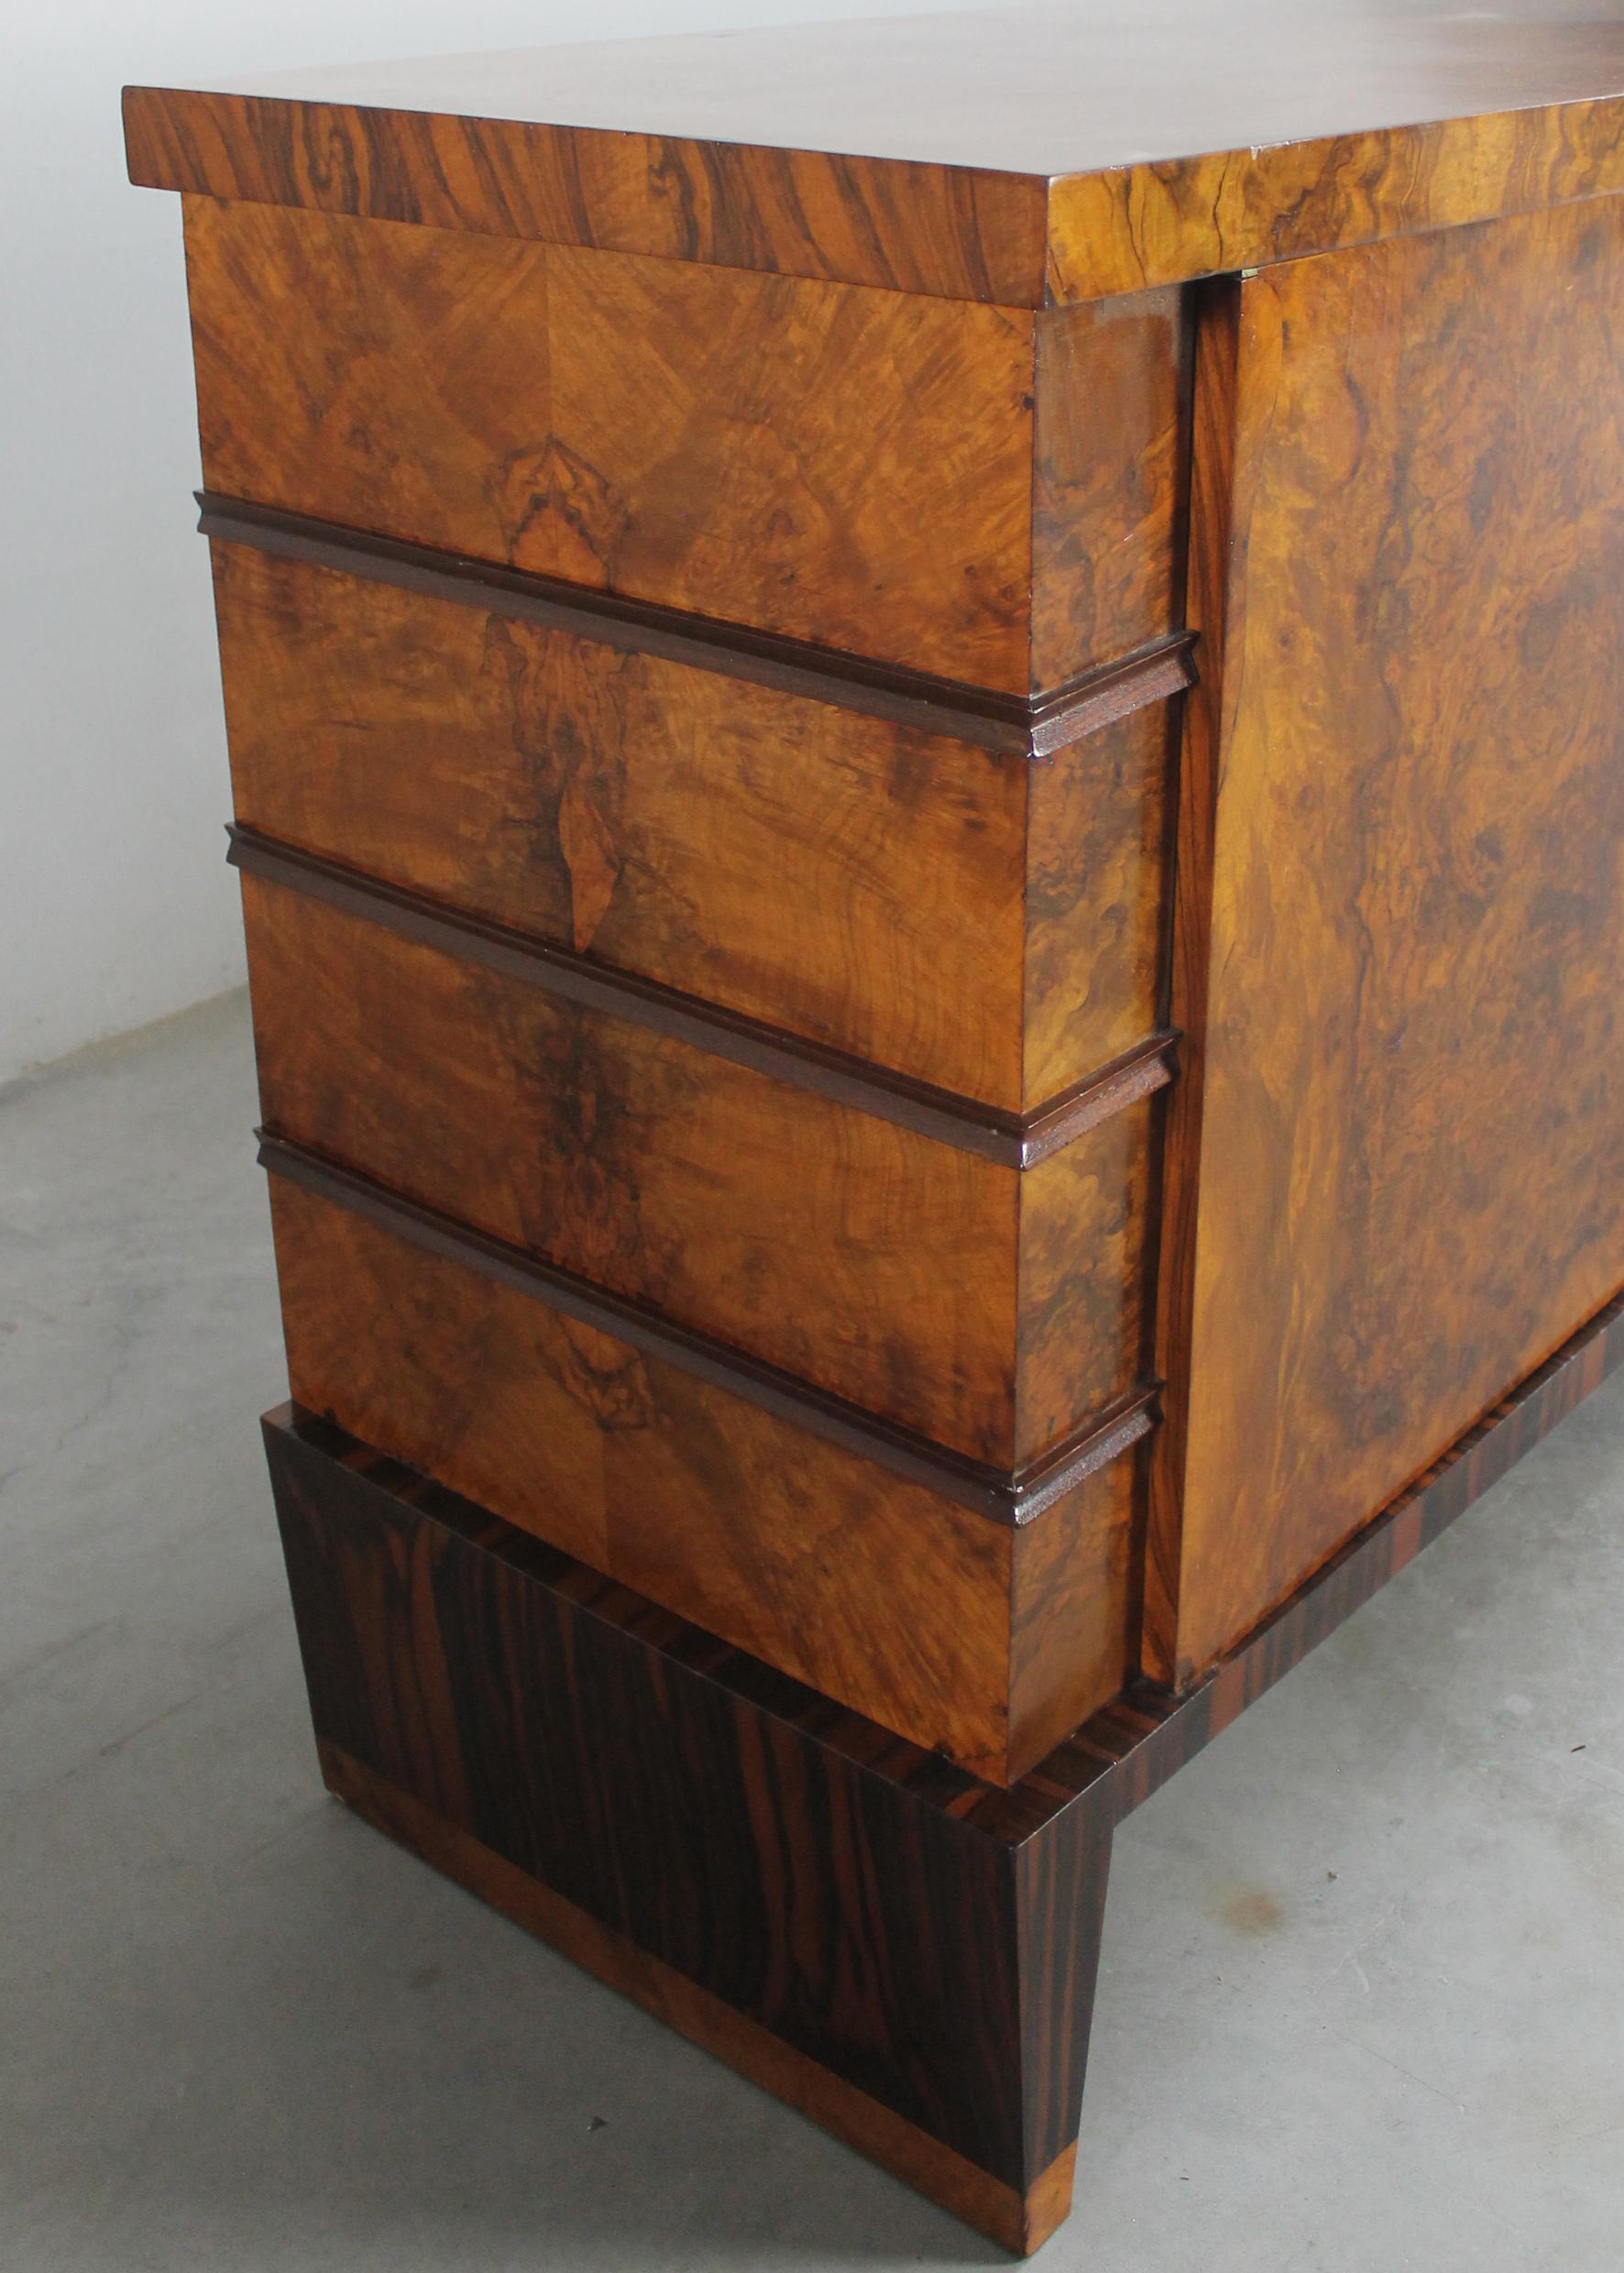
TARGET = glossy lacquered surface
x,y
791,1887
983,1638
1049,89
993,1309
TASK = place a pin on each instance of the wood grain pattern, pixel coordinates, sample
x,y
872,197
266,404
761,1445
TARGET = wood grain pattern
x,y
1109,463
829,1893
857,499
855,881
1017,2221
959,1633
846,465
431,1634
869,1261
1140,1740
1021,155
1184,218
1012,1497
1216,322
1098,877
993,718
988,1132
1409,1187
1090,1200
879,1264
856,468
944,230
1127,1751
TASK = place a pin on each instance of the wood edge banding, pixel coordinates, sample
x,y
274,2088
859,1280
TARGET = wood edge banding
x,y
1010,1496
1012,1140
1221,211
1007,725
1018,2223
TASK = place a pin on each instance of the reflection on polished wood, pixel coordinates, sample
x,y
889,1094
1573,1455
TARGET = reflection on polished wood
x,y
756,1868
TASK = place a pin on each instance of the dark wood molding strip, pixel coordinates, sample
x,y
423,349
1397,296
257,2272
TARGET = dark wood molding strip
x,y
1006,724
1139,1072
1013,1141
1009,1496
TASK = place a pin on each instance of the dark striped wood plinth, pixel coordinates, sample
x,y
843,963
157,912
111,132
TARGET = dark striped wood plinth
x,y
902,1952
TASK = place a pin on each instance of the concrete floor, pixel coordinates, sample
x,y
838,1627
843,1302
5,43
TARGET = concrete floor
x,y
1363,1999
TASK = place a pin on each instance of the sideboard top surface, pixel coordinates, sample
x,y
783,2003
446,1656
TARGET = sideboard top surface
x,y
1086,149
1049,88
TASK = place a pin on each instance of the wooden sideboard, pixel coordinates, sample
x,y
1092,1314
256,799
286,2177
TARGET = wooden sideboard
x,y
925,726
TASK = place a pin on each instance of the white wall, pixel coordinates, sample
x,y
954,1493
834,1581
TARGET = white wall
x,y
116,906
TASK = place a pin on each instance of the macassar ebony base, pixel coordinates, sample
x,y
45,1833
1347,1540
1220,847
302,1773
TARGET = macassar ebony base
x,y
903,1953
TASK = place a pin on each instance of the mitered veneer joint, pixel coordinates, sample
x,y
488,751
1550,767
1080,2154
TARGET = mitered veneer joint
x,y
1012,1140
1034,728
1010,1496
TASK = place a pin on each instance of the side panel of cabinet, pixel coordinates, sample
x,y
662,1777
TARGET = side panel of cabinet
x,y
1410,1187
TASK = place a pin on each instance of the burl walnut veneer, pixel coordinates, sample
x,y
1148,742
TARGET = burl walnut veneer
x,y
925,723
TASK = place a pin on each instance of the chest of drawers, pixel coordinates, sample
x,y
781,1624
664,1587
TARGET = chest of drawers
x,y
929,807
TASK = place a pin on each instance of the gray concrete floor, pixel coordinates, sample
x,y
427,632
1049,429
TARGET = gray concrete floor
x,y
1363,1999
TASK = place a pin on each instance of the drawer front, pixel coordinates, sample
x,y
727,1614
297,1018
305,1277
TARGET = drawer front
x,y
843,465
984,494
867,1259
957,1632
855,881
